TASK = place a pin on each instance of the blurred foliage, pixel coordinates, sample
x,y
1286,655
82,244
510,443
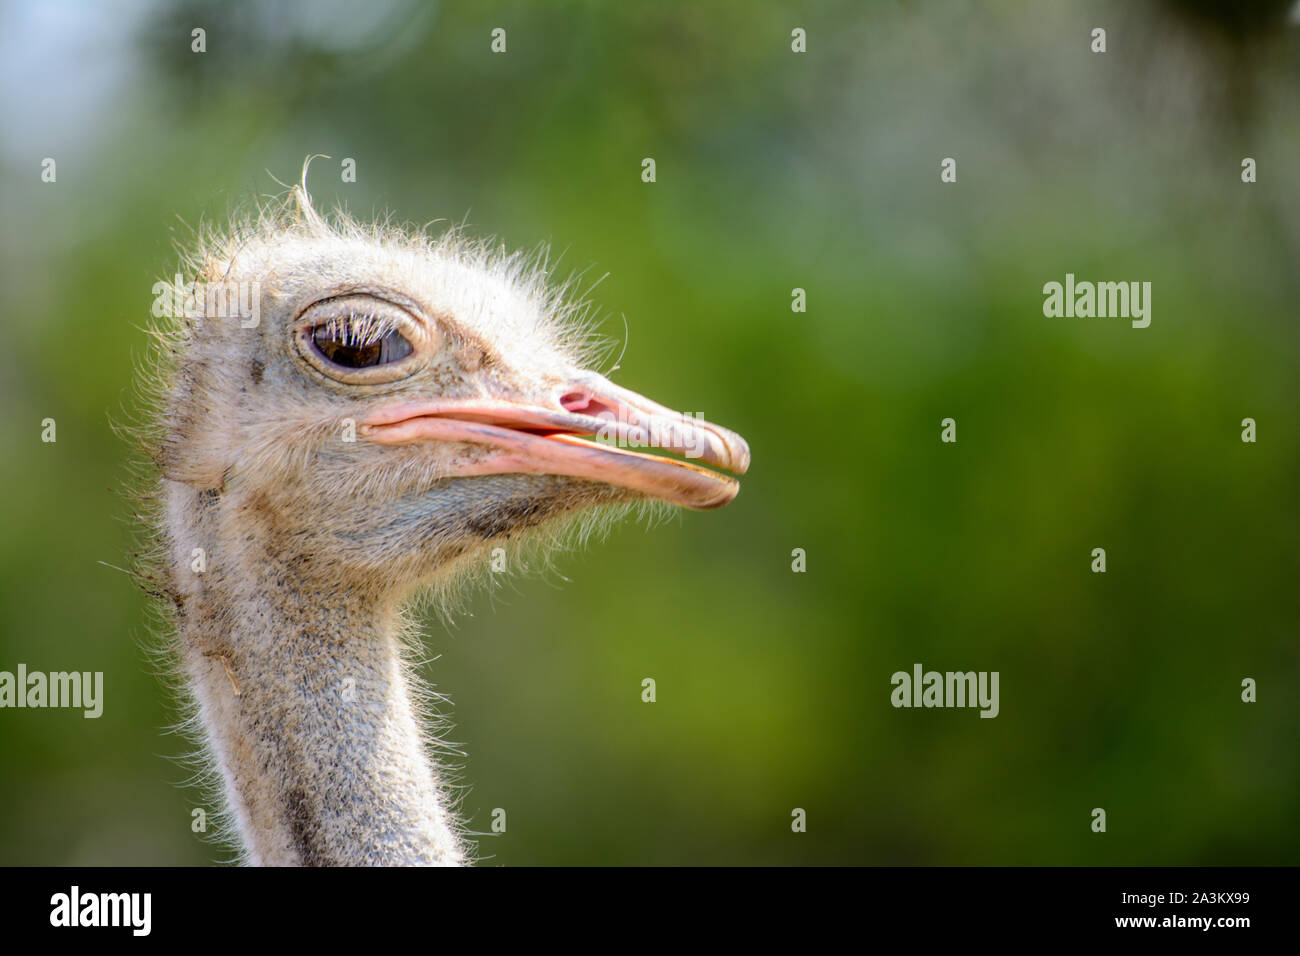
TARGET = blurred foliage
x,y
775,171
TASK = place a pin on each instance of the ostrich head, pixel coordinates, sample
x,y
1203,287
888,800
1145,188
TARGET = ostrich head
x,y
361,411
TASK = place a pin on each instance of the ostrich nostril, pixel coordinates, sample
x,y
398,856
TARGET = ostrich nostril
x,y
584,403
575,401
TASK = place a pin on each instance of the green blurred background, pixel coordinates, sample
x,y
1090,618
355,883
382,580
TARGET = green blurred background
x,y
775,171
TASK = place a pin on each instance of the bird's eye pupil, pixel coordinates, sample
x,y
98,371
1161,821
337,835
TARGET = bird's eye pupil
x,y
339,343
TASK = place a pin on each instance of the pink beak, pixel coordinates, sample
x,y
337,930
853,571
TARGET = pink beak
x,y
549,440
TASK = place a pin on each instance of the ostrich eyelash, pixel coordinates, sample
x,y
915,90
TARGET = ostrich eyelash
x,y
358,329
361,341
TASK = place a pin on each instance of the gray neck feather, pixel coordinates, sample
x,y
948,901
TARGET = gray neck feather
x,y
305,700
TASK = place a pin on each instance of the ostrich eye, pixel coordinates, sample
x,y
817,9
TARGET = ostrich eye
x,y
362,339
356,342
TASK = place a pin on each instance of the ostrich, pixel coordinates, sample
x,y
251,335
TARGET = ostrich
x,y
401,405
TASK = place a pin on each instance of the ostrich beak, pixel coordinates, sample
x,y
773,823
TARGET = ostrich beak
x,y
552,437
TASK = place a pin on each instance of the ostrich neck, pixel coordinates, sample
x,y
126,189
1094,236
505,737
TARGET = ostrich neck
x,y
306,705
